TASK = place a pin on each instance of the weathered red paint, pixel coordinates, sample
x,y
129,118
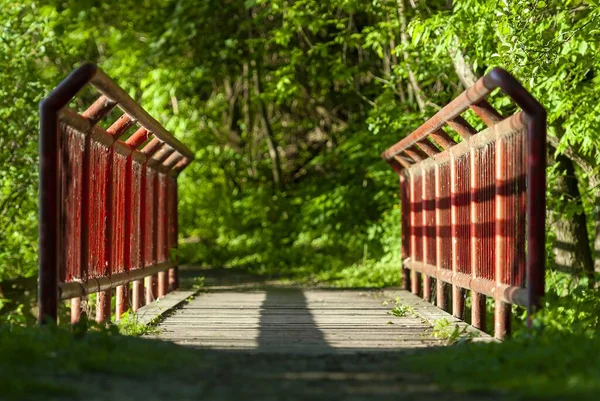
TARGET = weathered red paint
x,y
94,224
122,300
99,109
149,284
173,226
120,127
406,226
428,222
98,209
416,226
138,138
482,223
103,306
486,205
119,209
443,238
74,148
75,310
161,221
137,295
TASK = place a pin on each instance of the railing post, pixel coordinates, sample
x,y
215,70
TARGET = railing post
x,y
149,284
122,300
103,306
137,292
75,310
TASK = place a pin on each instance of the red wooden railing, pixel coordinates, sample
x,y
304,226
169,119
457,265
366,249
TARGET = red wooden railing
x,y
473,212
108,207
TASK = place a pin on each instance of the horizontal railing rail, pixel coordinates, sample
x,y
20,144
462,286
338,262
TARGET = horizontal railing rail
x,y
108,207
473,204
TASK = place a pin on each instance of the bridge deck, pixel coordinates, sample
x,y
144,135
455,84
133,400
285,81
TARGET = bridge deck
x,y
268,342
274,319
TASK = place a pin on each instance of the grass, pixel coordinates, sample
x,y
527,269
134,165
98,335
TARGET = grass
x,y
558,359
550,366
55,362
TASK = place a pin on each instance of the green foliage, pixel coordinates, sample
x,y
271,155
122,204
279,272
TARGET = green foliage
x,y
198,283
24,41
402,310
443,329
129,325
570,307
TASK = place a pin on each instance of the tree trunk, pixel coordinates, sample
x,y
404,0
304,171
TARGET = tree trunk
x,y
268,131
593,181
414,84
572,251
463,69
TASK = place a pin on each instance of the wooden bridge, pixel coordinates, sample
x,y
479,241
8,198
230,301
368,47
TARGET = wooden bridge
x,y
472,222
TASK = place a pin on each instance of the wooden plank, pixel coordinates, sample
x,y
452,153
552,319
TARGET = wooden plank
x,y
149,313
303,321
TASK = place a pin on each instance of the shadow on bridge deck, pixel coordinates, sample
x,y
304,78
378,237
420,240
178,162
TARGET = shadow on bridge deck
x,y
287,324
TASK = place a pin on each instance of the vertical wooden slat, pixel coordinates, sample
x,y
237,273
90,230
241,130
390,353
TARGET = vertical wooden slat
x,y
100,174
415,228
167,227
120,226
459,184
173,229
161,231
139,229
406,227
501,310
149,230
155,218
130,231
442,232
73,175
476,220
428,223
